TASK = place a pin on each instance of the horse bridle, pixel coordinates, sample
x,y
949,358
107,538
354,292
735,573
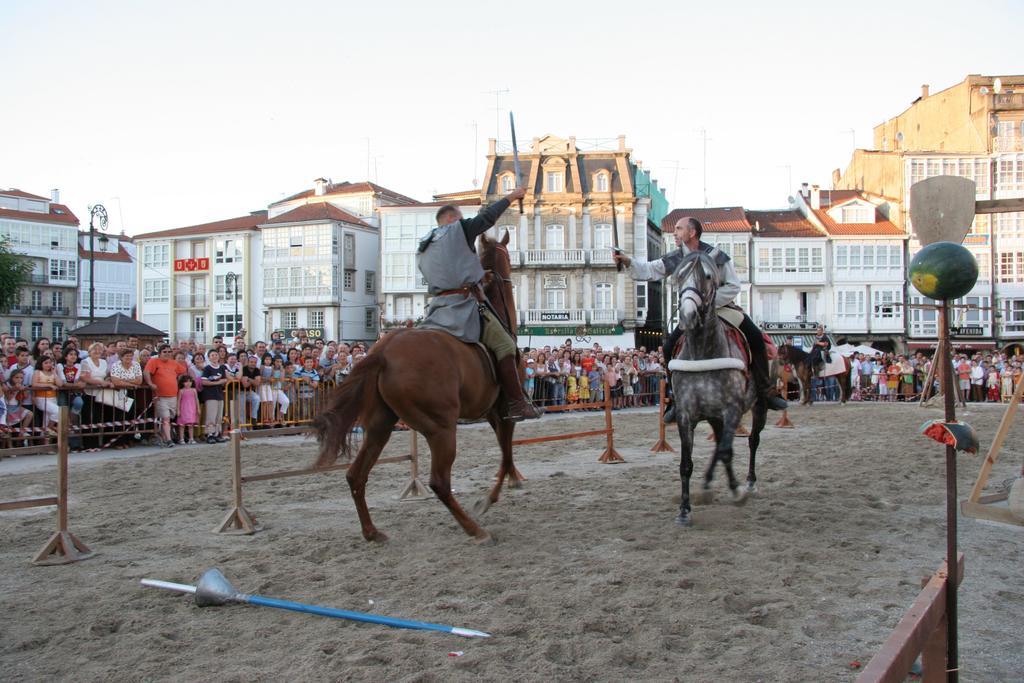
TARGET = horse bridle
x,y
491,274
684,273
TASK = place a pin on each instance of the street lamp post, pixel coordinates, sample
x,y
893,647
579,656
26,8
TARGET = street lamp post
x,y
232,279
97,223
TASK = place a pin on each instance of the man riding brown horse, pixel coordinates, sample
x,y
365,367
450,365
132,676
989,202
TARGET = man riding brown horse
x,y
449,263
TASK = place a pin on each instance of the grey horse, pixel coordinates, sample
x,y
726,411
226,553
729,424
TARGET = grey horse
x,y
710,383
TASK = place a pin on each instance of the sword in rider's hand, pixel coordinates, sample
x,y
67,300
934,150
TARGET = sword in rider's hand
x,y
515,159
619,265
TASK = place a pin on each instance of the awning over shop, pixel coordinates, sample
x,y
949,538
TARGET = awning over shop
x,y
957,344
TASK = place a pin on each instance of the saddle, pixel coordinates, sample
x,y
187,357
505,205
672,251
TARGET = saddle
x,y
735,338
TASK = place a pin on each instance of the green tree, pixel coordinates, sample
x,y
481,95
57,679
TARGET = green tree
x,y
14,272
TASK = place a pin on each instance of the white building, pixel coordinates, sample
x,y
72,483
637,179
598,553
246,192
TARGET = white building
x,y
46,231
114,260
866,266
403,293
192,280
321,254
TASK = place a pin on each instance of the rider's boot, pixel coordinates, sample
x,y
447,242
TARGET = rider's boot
x,y
762,383
519,407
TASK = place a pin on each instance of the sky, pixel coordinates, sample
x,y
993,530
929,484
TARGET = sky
x,y
177,113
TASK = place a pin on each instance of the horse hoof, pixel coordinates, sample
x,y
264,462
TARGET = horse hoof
x,y
481,506
376,536
515,483
484,538
752,488
684,521
704,497
739,496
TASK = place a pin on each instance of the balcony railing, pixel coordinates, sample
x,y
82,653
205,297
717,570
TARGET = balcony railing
x,y
191,300
555,257
567,318
1013,143
809,277
601,257
605,316
37,279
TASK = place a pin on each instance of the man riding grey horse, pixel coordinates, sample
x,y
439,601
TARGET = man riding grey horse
x,y
688,232
448,261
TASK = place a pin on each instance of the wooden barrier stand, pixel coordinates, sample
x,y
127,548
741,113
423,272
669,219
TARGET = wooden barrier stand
x,y
610,455
979,506
63,546
922,631
662,445
241,521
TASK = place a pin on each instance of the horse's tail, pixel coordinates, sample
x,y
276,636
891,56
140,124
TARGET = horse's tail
x,y
335,424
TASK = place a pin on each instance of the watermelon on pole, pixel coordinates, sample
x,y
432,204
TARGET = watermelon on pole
x,y
944,271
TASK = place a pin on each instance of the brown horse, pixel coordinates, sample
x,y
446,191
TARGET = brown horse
x,y
428,380
798,358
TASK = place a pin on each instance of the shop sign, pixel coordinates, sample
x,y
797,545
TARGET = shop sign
x,y
191,265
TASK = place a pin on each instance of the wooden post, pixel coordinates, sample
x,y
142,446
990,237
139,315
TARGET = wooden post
x,y
952,655
662,445
610,455
238,521
784,422
414,490
63,546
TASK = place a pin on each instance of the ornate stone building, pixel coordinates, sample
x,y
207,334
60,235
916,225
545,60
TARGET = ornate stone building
x,y
565,281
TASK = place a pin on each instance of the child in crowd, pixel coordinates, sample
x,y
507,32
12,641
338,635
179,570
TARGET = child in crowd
x,y
529,373
277,376
572,394
597,386
584,385
993,385
267,397
15,394
188,409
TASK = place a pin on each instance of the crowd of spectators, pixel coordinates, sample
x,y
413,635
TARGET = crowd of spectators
x,y
190,390
982,377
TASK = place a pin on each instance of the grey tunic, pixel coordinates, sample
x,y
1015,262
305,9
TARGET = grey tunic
x,y
447,261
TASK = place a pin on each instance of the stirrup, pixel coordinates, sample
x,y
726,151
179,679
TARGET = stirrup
x,y
522,410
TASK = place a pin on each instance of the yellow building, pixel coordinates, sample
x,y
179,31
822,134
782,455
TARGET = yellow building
x,y
973,129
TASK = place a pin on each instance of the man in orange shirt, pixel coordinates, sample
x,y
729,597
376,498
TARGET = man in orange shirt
x,y
161,374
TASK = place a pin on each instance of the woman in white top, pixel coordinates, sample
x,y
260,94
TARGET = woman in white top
x,y
94,375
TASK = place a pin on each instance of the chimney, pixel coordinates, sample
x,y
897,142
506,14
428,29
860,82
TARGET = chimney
x,y
320,187
924,91
55,196
815,197
804,192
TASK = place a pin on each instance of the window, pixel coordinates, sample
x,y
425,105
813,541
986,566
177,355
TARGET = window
x,y
790,259
400,272
16,329
370,282
316,318
884,301
227,325
224,289
155,255
289,319
842,253
403,307
850,304
228,251
1010,173
37,299
350,280
601,182
641,295
294,281
57,331
370,319
37,331
602,296
508,182
554,299
554,181
869,256
57,299
1013,315
856,213
770,306
365,206
1011,266
554,237
350,250
602,236
199,323
65,270
155,291
1010,225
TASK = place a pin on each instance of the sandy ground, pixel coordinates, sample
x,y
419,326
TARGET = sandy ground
x,y
590,578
